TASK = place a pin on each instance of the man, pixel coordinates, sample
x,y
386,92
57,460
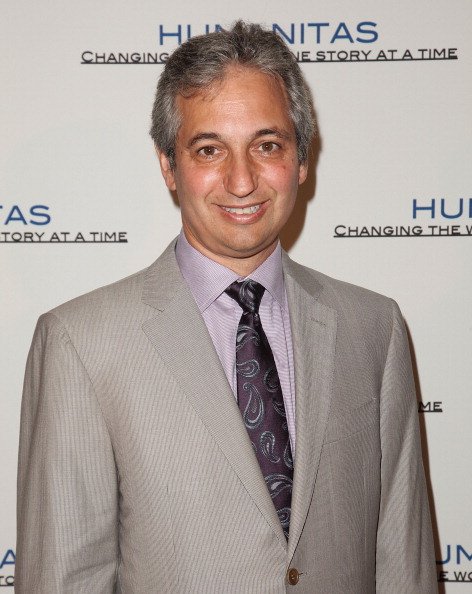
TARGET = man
x,y
226,421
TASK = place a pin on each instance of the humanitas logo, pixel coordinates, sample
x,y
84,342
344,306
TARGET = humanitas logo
x,y
428,217
311,41
456,564
7,562
34,223
304,33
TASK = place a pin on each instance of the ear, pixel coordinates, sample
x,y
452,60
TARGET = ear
x,y
166,170
302,172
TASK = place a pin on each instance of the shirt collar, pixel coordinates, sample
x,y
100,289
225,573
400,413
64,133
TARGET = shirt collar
x,y
207,279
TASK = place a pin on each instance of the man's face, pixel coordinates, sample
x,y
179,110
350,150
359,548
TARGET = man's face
x,y
237,171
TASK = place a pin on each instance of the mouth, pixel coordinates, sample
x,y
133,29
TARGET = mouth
x,y
245,210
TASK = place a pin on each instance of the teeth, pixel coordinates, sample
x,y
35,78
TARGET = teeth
x,y
247,210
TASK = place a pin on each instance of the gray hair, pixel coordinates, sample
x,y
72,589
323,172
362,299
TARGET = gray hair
x,y
202,60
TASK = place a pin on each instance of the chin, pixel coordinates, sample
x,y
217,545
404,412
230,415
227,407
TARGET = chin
x,y
243,250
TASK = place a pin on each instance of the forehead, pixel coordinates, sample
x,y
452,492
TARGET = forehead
x,y
243,97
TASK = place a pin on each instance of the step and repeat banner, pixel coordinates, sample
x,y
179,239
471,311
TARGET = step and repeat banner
x,y
387,205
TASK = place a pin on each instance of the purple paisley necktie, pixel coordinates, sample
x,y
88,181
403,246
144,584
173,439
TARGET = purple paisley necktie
x,y
260,399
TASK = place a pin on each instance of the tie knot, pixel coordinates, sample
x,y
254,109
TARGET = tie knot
x,y
247,294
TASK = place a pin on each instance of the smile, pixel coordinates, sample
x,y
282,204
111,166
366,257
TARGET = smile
x,y
243,211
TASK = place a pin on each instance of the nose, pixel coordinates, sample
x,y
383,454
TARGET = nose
x,y
240,177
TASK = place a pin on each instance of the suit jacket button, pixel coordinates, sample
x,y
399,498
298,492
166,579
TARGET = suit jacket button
x,y
293,576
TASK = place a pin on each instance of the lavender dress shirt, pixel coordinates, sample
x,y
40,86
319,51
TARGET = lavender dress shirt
x,y
208,280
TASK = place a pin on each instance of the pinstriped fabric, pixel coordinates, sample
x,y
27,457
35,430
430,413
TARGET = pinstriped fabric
x,y
112,393
61,484
401,474
350,485
137,476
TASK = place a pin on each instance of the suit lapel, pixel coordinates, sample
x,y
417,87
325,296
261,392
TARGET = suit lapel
x,y
179,334
314,335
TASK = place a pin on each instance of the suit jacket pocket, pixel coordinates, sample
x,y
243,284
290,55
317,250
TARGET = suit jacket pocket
x,y
351,421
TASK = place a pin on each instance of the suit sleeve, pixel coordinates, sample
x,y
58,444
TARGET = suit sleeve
x,y
405,553
67,539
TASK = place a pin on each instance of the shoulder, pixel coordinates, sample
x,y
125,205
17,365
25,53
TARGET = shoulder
x,y
359,312
104,301
117,303
337,293
91,320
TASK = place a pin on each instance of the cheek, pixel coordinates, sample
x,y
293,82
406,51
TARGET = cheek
x,y
285,180
197,183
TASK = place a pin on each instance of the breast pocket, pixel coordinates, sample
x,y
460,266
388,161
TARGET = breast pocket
x,y
351,460
351,421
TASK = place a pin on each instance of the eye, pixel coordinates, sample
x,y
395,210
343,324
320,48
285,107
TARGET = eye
x,y
269,147
207,152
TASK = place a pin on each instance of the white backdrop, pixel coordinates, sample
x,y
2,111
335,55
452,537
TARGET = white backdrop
x,y
82,202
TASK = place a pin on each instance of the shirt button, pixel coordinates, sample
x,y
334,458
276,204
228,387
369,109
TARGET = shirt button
x,y
293,576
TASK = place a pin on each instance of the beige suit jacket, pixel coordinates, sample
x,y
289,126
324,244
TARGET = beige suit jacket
x,y
137,476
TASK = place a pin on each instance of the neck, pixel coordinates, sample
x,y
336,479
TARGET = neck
x,y
241,265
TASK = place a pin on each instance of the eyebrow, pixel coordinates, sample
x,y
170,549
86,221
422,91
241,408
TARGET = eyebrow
x,y
263,132
204,136
273,132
